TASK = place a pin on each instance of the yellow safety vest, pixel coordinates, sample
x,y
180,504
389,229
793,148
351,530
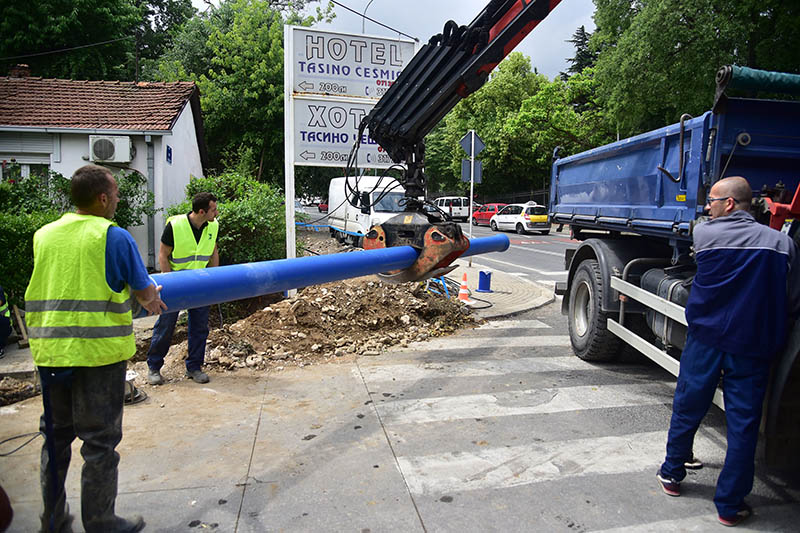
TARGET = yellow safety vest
x,y
74,318
187,253
4,309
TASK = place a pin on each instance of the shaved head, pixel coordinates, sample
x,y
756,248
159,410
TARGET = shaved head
x,y
737,188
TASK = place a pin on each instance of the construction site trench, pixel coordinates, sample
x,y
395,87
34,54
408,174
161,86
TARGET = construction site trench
x,y
321,324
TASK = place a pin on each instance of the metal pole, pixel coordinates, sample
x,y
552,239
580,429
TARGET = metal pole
x,y
288,122
471,183
364,14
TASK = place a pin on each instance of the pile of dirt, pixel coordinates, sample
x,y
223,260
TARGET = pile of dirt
x,y
14,390
356,316
334,321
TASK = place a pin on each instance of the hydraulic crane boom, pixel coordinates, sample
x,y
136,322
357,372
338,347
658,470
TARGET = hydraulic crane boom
x,y
453,65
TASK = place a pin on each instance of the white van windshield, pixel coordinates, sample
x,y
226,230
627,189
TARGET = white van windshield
x,y
390,203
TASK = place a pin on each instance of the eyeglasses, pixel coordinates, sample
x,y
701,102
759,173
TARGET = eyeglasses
x,y
710,200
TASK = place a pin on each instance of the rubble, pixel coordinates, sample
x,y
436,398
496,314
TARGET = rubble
x,y
322,323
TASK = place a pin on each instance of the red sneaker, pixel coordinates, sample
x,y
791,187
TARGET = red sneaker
x,y
669,485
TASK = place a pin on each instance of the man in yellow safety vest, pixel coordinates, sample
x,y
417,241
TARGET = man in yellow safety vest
x,y
188,242
78,313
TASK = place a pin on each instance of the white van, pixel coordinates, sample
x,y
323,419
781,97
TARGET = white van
x,y
455,206
356,204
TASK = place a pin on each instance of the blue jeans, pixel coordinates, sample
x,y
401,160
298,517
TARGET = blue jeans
x,y
744,385
162,337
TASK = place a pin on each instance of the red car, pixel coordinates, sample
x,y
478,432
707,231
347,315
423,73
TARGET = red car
x,y
482,215
323,206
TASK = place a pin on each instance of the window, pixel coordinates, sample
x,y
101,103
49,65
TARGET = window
x,y
17,170
456,202
538,210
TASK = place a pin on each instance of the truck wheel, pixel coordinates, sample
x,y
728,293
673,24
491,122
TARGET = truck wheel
x,y
493,224
521,229
474,221
590,339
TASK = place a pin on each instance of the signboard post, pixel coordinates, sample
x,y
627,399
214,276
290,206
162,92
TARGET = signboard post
x,y
470,171
331,81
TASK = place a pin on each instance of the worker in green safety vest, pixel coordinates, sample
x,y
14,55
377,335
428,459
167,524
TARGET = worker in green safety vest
x,y
5,322
78,303
188,242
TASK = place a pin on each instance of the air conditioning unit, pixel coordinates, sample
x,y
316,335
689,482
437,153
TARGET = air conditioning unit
x,y
109,148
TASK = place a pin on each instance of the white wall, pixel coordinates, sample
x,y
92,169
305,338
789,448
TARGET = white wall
x,y
172,178
70,151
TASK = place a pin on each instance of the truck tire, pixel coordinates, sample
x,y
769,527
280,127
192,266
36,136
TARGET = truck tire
x,y
521,229
493,225
590,339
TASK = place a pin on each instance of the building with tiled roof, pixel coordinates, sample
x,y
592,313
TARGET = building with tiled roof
x,y
61,125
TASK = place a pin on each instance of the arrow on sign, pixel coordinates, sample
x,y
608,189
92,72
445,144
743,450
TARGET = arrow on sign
x,y
308,155
466,143
306,86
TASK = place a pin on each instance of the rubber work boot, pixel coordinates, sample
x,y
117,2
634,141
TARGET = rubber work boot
x,y
154,377
197,375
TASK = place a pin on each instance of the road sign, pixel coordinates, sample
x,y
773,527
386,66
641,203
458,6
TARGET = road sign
x,y
465,173
466,143
325,130
343,64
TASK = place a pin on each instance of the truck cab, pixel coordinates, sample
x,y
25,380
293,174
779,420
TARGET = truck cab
x,y
355,204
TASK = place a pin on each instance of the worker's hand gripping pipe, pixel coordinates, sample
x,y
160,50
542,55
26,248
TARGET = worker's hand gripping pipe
x,y
187,289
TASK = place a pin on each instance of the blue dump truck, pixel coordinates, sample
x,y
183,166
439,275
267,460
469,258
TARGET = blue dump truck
x,y
633,205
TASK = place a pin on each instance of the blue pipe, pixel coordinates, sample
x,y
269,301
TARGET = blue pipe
x,y
186,289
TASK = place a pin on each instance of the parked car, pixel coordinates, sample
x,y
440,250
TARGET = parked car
x,y
455,206
484,213
323,206
522,218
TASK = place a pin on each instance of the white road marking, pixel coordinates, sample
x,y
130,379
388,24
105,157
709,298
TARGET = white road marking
x,y
540,272
415,372
529,249
536,463
470,343
524,402
509,324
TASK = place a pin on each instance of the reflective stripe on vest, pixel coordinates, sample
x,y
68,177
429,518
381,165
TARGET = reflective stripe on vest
x,y
187,253
4,310
74,318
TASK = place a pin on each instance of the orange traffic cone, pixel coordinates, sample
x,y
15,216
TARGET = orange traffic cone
x,y
463,292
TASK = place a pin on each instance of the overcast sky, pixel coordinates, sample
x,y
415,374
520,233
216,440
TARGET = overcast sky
x,y
545,45
423,18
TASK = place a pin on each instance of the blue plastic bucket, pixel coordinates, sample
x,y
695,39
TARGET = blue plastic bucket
x,y
484,281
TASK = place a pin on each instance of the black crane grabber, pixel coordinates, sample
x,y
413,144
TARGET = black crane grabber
x,y
450,67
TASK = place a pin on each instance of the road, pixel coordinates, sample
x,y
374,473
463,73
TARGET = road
x,y
538,258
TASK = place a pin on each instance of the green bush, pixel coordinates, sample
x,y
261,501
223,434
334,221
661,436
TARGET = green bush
x,y
251,217
35,193
16,242
135,201
27,204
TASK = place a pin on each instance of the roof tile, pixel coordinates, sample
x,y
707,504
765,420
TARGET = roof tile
x,y
109,105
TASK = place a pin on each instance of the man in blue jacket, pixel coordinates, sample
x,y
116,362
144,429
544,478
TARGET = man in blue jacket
x,y
745,289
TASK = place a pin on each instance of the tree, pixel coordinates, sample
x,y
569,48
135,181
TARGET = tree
x,y
159,21
658,58
235,54
584,55
562,114
46,27
486,111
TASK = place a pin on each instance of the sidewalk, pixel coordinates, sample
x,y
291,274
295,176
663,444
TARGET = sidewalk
x,y
301,449
510,295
